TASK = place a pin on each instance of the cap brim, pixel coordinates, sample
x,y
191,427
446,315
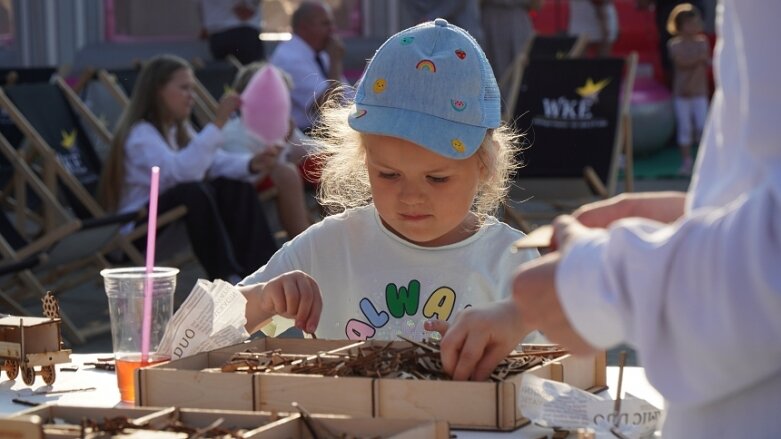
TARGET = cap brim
x,y
454,140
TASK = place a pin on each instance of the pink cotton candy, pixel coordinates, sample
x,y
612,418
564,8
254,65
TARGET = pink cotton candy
x,y
265,108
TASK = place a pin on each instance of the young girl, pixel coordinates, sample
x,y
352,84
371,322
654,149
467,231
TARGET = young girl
x,y
280,172
225,221
690,56
417,171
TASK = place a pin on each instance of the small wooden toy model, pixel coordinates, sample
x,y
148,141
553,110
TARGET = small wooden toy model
x,y
27,342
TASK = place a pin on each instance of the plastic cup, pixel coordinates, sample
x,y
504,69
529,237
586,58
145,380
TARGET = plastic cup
x,y
125,291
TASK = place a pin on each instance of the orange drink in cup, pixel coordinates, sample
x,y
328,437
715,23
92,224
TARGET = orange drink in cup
x,y
125,291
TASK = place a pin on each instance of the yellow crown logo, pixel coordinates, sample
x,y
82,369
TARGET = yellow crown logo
x,y
591,89
68,139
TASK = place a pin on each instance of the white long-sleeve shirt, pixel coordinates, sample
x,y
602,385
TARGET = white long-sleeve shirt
x,y
146,147
701,299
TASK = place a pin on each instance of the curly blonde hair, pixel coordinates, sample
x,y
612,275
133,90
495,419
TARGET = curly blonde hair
x,y
344,180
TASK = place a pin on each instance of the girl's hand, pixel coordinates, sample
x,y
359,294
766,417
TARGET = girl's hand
x,y
479,339
229,102
264,161
294,295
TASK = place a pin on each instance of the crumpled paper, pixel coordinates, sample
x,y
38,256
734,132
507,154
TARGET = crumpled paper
x,y
212,316
554,404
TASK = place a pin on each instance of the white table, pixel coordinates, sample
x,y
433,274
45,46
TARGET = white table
x,y
106,393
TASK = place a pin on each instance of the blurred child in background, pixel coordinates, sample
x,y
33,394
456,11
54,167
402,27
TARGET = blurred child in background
x,y
280,167
690,55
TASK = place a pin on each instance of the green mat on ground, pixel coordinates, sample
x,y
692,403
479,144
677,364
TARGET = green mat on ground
x,y
662,164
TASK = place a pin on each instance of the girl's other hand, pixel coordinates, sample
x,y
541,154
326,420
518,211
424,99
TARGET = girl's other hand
x,y
265,160
294,295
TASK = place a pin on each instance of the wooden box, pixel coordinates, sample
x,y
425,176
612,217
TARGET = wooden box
x,y
196,382
36,423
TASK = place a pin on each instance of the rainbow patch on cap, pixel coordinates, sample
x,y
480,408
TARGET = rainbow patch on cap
x,y
427,65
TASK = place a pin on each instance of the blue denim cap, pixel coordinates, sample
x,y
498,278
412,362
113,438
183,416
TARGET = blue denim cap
x,y
431,85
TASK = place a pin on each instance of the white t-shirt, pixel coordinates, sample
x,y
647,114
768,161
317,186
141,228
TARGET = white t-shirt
x,y
376,285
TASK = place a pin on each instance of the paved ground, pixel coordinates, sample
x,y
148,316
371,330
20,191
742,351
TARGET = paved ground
x,y
88,303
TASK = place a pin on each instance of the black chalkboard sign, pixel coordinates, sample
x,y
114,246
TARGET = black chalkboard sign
x,y
569,110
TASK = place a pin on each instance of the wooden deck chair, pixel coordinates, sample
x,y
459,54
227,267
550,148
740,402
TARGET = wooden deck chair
x,y
60,265
25,75
61,245
68,163
119,82
212,81
11,76
538,47
575,113
232,60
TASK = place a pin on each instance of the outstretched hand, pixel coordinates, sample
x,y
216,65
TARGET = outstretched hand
x,y
294,295
664,207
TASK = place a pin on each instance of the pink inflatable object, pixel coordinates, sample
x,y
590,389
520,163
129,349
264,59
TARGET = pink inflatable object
x,y
653,117
265,108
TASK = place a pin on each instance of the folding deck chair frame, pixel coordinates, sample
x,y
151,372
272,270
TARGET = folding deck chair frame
x,y
574,194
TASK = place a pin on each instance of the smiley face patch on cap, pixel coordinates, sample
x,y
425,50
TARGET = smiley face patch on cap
x,y
458,145
379,85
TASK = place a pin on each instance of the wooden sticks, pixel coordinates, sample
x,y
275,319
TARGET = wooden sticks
x,y
410,360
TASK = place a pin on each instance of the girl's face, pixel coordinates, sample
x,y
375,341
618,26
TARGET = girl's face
x,y
421,196
692,26
177,95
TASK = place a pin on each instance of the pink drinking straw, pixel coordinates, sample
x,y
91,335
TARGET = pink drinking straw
x,y
146,325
